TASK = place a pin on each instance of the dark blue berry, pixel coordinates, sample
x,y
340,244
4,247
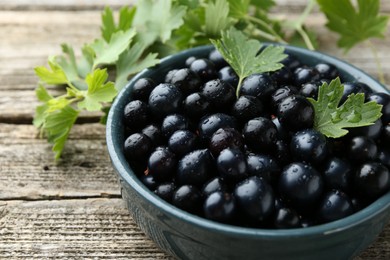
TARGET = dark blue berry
x,y
338,174
204,68
220,94
195,168
165,99
208,125
258,85
187,81
231,165
334,205
173,123
255,198
182,142
162,164
220,206
295,113
165,191
260,134
300,185
372,179
136,114
188,198
309,146
225,138
264,166
137,147
228,75
196,105
142,89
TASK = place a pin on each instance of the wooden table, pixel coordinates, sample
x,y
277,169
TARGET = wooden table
x,y
73,209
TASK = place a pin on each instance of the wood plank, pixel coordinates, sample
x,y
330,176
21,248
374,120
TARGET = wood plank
x,y
72,229
295,6
92,228
28,170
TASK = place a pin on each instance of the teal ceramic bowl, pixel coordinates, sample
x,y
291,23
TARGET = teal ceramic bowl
x,y
187,236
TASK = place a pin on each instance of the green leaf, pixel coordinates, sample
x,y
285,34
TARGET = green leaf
x,y
108,53
263,4
239,8
42,94
156,19
243,54
354,25
332,119
69,65
55,76
130,62
98,91
109,27
217,18
57,127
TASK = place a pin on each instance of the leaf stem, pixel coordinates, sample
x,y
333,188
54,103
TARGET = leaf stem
x,y
298,25
374,51
240,79
273,33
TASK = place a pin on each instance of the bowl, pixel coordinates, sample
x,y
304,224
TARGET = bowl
x,y
187,236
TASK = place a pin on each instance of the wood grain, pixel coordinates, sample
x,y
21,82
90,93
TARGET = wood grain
x,y
72,229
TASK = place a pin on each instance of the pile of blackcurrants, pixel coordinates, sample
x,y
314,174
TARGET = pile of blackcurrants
x,y
253,160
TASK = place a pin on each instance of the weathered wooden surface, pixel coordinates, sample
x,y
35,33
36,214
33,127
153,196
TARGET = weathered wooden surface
x,y
73,209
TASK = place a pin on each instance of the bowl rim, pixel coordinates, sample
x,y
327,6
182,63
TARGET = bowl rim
x,y
125,172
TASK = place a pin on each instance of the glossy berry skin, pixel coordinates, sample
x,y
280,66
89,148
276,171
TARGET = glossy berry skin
x,y
220,206
213,185
384,100
310,89
246,108
228,75
182,142
169,75
188,198
137,147
149,181
372,179
219,93
154,133
225,138
165,191
304,75
385,135
136,114
281,93
189,60
291,62
282,76
337,174
187,81
286,218
173,123
209,124
217,59
384,156
300,185
264,166
309,146
334,205
295,113
195,168
165,99
204,68
361,149
326,71
162,164
231,165
260,134
255,198
371,131
142,89
196,105
258,85
282,153
351,88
